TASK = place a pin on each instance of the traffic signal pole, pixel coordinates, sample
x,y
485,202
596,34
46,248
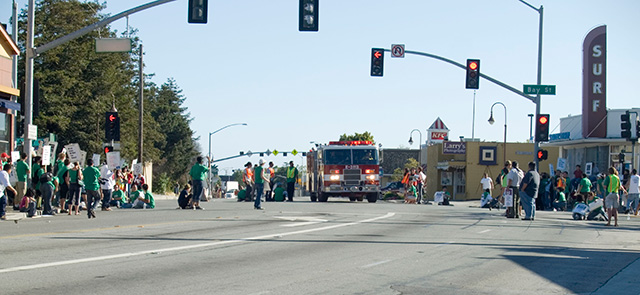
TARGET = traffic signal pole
x,y
31,52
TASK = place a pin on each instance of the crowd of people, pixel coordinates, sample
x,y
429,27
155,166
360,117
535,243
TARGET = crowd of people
x,y
66,187
558,192
414,181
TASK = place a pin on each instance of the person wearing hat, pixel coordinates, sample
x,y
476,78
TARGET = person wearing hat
x,y
4,158
260,178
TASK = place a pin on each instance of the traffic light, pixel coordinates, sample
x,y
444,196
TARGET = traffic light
x,y
542,128
625,125
473,74
377,62
308,19
197,12
542,155
108,149
637,128
621,157
112,126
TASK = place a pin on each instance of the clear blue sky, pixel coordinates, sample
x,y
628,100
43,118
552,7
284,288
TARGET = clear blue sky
x,y
250,64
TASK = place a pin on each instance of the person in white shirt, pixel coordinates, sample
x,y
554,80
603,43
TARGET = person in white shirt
x,y
422,182
634,192
107,182
514,178
487,182
5,184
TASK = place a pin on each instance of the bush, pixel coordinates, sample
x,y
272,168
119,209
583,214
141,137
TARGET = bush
x,y
162,184
392,196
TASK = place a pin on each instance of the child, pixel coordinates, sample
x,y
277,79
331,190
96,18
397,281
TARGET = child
x,y
28,203
485,200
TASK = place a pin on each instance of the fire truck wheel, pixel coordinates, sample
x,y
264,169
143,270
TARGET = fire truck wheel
x,y
372,198
360,198
352,199
322,197
313,197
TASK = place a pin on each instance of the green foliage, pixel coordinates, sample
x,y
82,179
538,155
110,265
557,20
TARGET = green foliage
x,y
398,173
79,85
357,136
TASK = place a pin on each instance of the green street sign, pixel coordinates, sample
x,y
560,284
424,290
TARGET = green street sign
x,y
539,89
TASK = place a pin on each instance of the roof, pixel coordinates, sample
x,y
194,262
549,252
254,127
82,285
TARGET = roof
x,y
8,43
438,125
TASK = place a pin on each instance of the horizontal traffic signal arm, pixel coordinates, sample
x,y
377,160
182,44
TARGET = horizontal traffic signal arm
x,y
464,67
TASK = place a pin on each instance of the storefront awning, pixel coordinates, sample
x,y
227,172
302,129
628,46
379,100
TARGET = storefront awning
x,y
9,104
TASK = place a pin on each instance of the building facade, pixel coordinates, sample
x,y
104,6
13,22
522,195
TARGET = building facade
x,y
8,92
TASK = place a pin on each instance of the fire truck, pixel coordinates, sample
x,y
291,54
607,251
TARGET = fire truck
x,y
344,169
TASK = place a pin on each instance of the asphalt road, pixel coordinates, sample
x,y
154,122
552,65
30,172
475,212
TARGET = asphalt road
x,y
318,248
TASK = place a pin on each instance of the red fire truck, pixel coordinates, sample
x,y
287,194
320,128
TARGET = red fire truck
x,y
344,169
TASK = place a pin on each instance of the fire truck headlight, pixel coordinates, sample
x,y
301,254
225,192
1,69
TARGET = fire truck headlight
x,y
371,177
369,171
335,177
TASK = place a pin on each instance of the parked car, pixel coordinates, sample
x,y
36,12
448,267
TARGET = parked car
x,y
393,187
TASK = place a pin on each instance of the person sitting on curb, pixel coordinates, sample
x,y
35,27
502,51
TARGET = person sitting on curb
x,y
561,203
185,197
145,200
28,203
117,197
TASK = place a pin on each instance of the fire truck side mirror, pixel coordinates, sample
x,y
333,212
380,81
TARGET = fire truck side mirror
x,y
381,157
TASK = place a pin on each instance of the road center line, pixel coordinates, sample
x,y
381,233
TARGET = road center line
x,y
180,248
375,263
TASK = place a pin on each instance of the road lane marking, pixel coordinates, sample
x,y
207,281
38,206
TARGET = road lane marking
x,y
375,263
484,231
308,220
189,247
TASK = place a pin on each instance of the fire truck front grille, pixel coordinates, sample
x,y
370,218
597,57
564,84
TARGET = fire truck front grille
x,y
351,176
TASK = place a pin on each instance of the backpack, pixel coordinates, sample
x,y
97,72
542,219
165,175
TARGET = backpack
x,y
46,177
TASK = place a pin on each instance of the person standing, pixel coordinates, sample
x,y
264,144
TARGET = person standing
x,y
272,178
292,176
633,187
22,170
529,192
422,181
247,178
260,178
48,185
514,178
611,202
91,177
487,182
198,174
5,185
584,187
107,182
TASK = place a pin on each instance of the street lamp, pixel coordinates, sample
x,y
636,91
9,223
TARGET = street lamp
x,y
491,121
209,160
419,146
541,13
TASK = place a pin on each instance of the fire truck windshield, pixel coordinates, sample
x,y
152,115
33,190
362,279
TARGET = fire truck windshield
x,y
351,157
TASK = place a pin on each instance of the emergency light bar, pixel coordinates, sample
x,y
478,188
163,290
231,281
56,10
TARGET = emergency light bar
x,y
351,142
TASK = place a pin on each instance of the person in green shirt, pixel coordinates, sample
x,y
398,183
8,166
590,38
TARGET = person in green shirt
x,y
292,177
412,193
561,202
22,170
117,197
63,185
585,185
260,179
145,199
75,177
198,174
91,175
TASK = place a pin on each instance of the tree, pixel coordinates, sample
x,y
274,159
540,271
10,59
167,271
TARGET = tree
x,y
398,173
366,136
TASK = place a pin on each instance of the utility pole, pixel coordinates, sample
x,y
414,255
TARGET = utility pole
x,y
141,108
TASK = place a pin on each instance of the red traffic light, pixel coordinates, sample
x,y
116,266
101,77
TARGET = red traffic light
x,y
473,65
539,154
112,118
108,149
377,54
543,120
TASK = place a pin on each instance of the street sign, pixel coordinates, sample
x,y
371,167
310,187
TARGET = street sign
x,y
397,50
539,89
32,132
275,152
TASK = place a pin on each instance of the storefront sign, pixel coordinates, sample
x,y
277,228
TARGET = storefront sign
x,y
438,135
594,79
455,148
